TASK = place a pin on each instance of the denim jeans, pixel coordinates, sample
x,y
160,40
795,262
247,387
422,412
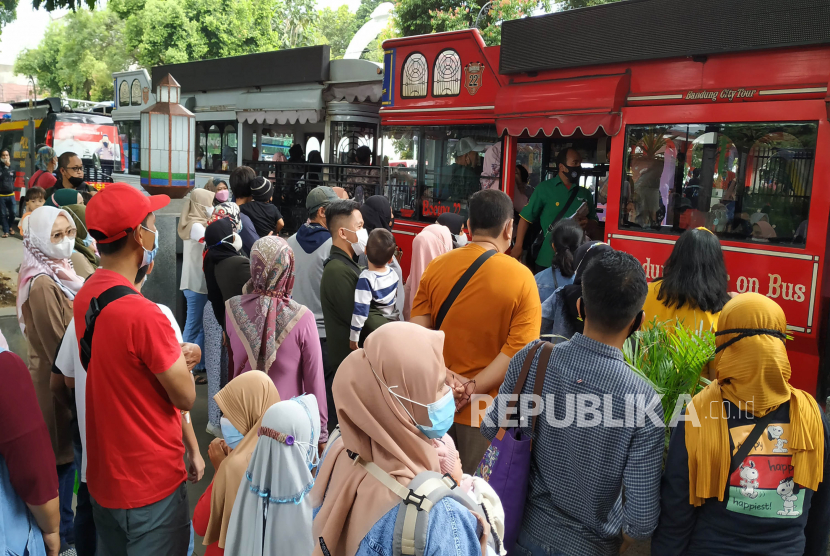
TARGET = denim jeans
x,y
85,539
527,546
194,331
66,488
7,213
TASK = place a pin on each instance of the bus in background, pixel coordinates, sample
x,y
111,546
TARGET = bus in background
x,y
92,136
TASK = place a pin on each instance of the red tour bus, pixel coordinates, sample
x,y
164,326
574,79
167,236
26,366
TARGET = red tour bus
x,y
684,118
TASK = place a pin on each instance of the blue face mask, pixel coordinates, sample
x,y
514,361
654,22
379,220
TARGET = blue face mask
x,y
441,413
232,436
150,255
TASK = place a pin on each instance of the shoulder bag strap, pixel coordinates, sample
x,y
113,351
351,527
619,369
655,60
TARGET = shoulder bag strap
x,y
750,441
520,382
539,381
571,198
456,289
96,305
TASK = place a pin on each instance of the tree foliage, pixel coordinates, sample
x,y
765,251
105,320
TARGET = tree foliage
x,y
574,4
78,55
337,29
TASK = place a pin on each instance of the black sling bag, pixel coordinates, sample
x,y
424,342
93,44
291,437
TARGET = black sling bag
x,y
96,305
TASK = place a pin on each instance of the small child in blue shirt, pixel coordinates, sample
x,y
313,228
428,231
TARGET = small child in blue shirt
x,y
377,285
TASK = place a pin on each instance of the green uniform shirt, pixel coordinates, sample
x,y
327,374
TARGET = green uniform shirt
x,y
337,285
546,203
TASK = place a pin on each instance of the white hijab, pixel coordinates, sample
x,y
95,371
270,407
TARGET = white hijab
x,y
35,262
272,513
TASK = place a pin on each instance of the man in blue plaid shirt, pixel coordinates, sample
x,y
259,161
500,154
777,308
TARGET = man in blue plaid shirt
x,y
594,485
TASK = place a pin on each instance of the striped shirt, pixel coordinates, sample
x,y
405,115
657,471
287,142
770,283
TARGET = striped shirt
x,y
375,287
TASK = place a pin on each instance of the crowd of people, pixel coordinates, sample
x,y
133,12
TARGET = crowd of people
x,y
361,411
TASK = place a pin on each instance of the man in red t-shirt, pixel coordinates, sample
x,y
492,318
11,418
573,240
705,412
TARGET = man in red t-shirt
x,y
137,384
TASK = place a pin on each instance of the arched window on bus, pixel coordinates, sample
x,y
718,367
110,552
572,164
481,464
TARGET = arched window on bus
x,y
446,80
742,181
135,93
124,94
414,76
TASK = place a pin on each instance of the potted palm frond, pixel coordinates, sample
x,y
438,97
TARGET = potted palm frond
x,y
671,358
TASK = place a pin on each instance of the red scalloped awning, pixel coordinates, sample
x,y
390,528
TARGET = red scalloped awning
x,y
564,106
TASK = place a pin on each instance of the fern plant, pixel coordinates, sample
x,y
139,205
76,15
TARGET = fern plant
x,y
671,358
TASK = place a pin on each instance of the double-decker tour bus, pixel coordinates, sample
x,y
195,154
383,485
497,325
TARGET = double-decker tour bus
x,y
685,116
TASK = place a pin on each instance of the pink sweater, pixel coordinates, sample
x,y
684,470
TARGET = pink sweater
x,y
298,368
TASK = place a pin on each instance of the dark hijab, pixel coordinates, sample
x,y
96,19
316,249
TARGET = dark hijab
x,y
217,251
584,255
452,221
377,212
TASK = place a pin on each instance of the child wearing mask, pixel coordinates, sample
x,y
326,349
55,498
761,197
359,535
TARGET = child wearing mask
x,y
481,493
376,285
35,198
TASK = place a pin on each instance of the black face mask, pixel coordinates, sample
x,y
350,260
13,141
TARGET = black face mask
x,y
573,172
76,181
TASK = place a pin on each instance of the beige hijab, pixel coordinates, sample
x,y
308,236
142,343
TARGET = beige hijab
x,y
374,424
243,402
195,210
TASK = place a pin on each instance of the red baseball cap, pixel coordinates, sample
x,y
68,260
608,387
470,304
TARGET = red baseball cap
x,y
120,207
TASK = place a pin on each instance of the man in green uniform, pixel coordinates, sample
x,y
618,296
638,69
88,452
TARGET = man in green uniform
x,y
549,199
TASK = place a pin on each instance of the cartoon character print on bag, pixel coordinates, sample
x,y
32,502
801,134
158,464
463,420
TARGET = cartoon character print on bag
x,y
763,485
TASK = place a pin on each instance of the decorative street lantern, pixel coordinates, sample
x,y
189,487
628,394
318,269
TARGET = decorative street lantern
x,y
167,143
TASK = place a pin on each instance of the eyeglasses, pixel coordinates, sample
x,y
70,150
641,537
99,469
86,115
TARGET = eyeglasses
x,y
75,168
464,398
57,237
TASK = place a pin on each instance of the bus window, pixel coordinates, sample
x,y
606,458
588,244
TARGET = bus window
x,y
346,137
454,167
213,152
742,181
400,149
129,133
229,139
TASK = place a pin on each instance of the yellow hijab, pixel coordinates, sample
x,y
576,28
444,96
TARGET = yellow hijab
x,y
753,372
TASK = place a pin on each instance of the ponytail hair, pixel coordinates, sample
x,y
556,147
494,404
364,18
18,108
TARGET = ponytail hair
x,y
566,238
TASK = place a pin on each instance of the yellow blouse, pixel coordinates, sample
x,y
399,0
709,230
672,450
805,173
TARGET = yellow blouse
x,y
691,317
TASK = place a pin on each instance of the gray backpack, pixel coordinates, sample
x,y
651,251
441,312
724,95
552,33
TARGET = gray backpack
x,y
423,492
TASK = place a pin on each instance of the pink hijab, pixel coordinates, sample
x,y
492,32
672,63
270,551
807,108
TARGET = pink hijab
x,y
433,240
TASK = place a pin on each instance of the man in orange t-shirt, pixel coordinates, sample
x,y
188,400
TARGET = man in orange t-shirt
x,y
496,314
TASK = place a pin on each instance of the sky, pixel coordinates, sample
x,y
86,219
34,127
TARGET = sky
x,y
27,30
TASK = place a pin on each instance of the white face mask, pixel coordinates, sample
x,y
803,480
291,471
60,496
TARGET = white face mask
x,y
208,211
237,242
362,240
461,240
62,250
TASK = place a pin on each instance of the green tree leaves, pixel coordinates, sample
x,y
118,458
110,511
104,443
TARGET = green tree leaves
x,y
337,29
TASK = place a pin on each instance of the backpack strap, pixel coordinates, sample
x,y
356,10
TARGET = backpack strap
x,y
96,305
423,492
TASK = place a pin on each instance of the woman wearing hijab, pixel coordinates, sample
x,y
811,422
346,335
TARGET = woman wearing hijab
x,y
243,401
560,316
226,272
267,330
29,515
47,286
694,286
272,514
382,393
192,224
377,213
774,500
455,223
434,240
217,186
46,163
84,257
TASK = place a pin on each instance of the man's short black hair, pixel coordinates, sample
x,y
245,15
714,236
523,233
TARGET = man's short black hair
x,y
338,211
381,247
63,160
562,156
117,245
35,193
363,154
489,211
523,173
614,289
242,177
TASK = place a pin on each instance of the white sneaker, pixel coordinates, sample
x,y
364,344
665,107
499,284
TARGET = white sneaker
x,y
214,430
